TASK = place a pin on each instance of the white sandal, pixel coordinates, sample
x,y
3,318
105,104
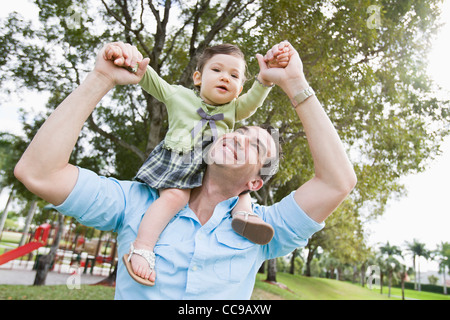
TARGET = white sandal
x,y
148,255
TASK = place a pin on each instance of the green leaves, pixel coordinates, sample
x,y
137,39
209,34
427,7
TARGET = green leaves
x,y
370,77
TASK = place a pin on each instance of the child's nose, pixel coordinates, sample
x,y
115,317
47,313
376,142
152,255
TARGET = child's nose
x,y
224,78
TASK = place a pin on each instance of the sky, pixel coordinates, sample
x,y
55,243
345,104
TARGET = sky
x,y
424,214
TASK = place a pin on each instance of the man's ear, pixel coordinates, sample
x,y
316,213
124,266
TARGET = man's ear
x,y
255,185
197,77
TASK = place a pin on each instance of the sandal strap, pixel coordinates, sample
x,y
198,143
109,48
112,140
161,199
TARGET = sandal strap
x,y
148,255
246,214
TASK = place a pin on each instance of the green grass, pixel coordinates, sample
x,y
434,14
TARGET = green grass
x,y
304,288
294,287
421,295
11,237
58,292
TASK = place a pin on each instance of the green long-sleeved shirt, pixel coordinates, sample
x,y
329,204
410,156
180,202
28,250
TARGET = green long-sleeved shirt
x,y
182,105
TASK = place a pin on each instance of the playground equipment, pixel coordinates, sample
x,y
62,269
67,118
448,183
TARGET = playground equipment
x,y
39,240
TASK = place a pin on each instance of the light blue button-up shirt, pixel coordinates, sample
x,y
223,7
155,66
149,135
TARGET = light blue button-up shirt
x,y
193,261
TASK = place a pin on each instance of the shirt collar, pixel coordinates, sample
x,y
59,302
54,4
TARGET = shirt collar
x,y
220,211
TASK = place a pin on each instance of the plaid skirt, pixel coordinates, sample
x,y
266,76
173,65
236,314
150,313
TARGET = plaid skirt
x,y
166,168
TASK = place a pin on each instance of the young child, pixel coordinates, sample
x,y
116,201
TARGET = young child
x,y
196,119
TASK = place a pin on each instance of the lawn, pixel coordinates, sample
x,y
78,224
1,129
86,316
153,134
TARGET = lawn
x,y
289,287
58,292
304,288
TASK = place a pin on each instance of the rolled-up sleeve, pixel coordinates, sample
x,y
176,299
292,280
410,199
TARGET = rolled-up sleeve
x,y
293,227
95,201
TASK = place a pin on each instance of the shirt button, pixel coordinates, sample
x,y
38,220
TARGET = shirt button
x,y
194,268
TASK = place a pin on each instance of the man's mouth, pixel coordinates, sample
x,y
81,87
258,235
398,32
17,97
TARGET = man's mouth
x,y
231,150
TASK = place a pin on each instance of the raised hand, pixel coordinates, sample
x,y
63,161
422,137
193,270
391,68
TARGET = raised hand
x,y
115,61
279,55
284,77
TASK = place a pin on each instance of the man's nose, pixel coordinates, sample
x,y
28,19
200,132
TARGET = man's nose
x,y
240,140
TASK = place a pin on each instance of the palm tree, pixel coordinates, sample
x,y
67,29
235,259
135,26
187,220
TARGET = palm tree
x,y
391,263
443,254
417,249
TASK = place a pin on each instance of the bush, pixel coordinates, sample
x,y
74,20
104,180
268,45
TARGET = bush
x,y
425,287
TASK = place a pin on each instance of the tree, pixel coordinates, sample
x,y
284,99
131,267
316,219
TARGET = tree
x,y
371,79
443,254
418,250
391,264
44,262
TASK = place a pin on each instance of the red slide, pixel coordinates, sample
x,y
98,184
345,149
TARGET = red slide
x,y
39,240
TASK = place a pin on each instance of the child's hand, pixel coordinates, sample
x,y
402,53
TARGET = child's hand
x,y
114,59
279,55
122,55
114,53
284,76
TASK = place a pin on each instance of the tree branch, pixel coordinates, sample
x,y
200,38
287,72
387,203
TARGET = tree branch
x,y
129,28
93,126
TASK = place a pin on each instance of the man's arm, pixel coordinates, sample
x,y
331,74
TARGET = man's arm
x,y
334,175
44,167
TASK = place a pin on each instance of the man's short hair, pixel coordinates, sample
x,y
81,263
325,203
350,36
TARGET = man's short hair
x,y
271,164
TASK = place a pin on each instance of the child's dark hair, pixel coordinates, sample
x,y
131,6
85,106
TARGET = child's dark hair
x,y
225,48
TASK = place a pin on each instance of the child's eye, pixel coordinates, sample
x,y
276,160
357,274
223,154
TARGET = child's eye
x,y
216,70
235,76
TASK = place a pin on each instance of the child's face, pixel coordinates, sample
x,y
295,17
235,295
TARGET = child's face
x,y
221,80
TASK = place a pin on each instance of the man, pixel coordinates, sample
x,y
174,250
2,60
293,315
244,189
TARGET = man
x,y
198,255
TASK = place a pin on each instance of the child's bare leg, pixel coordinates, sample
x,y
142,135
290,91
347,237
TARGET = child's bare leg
x,y
248,224
153,223
244,204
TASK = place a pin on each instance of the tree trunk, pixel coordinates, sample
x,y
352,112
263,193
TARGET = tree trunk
x,y
363,275
292,268
272,270
109,281
381,282
415,272
445,281
5,211
419,287
403,283
30,215
309,259
44,262
390,284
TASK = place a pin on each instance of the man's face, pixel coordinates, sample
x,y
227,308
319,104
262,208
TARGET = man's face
x,y
242,152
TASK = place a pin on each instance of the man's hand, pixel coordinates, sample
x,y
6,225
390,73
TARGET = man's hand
x,y
113,59
290,78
